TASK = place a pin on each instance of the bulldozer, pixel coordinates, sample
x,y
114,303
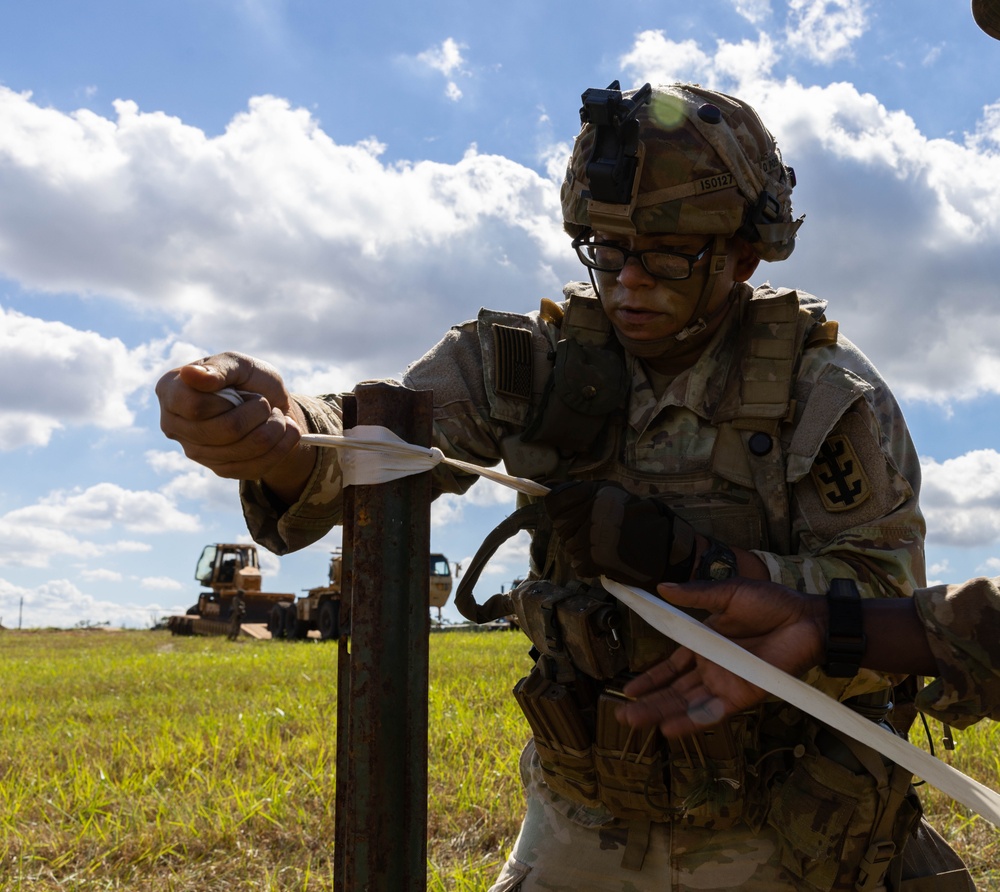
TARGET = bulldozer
x,y
234,600
319,610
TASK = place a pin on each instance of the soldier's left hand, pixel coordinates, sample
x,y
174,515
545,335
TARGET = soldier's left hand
x,y
687,692
607,530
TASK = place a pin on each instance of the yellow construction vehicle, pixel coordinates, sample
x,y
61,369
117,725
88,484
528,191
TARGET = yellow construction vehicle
x,y
234,600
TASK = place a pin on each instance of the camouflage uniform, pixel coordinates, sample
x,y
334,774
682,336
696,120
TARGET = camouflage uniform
x,y
842,461
878,543
963,628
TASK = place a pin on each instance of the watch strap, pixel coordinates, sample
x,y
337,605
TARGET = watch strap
x,y
845,636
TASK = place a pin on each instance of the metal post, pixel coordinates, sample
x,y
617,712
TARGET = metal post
x,y
344,805
385,838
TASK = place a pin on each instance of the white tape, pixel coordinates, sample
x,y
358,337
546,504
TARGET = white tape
x,y
374,454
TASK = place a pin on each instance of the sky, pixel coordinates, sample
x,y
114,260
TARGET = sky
x,y
330,187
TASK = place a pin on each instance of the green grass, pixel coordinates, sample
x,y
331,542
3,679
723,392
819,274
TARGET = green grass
x,y
136,760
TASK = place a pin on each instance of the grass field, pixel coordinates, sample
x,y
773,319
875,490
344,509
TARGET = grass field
x,y
136,760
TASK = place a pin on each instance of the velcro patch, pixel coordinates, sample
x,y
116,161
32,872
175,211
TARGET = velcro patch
x,y
839,476
513,361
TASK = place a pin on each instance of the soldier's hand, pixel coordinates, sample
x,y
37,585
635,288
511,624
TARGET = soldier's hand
x,y
254,440
687,692
607,530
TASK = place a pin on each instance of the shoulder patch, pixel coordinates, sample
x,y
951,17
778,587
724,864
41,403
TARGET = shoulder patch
x,y
852,482
839,476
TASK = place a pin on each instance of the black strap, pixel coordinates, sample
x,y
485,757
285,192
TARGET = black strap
x,y
845,637
525,518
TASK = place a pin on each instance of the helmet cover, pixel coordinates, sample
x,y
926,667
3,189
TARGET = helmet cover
x,y
705,165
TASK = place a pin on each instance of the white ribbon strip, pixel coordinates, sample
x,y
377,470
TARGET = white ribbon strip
x,y
375,454
696,636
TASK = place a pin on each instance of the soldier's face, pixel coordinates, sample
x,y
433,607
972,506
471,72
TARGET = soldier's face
x,y
643,307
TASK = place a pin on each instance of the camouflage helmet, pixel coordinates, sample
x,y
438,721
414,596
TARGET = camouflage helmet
x,y
987,16
704,164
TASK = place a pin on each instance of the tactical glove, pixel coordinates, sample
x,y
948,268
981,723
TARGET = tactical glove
x,y
607,530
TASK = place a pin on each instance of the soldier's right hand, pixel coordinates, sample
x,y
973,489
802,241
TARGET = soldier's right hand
x,y
256,440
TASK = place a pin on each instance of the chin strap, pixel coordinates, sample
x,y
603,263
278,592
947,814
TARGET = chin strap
x,y
697,323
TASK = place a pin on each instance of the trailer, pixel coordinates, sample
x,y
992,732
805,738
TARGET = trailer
x,y
318,613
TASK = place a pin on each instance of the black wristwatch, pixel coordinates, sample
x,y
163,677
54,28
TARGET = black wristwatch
x,y
845,635
717,562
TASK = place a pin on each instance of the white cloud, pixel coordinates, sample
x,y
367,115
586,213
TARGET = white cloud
x,y
101,575
309,239
656,58
554,158
961,498
54,376
162,583
447,59
754,11
932,56
200,484
315,243
72,524
825,30
102,506
193,482
51,604
510,560
450,508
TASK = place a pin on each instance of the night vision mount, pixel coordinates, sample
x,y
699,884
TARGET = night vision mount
x,y
613,162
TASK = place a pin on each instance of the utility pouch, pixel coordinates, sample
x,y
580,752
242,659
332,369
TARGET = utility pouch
x,y
842,813
577,621
562,738
708,776
629,765
587,384
824,814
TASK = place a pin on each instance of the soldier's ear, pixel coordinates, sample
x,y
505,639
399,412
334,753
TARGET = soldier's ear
x,y
746,259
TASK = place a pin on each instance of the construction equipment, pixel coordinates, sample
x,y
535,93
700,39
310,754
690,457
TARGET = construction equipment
x,y
235,600
440,581
236,605
319,610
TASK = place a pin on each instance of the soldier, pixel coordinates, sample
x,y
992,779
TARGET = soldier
x,y
703,429
238,612
948,632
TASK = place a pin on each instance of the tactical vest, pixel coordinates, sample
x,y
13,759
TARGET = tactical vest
x,y
566,392
569,399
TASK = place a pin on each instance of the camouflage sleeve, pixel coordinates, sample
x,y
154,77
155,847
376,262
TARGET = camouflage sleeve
x,y
281,528
462,429
963,629
855,480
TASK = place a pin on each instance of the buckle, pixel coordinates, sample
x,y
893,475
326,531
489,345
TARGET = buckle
x,y
874,865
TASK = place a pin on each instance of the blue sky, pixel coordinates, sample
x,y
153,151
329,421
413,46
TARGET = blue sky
x,y
329,187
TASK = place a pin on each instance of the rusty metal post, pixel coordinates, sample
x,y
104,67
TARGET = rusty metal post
x,y
385,845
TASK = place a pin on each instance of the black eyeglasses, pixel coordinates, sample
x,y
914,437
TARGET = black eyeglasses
x,y
657,262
